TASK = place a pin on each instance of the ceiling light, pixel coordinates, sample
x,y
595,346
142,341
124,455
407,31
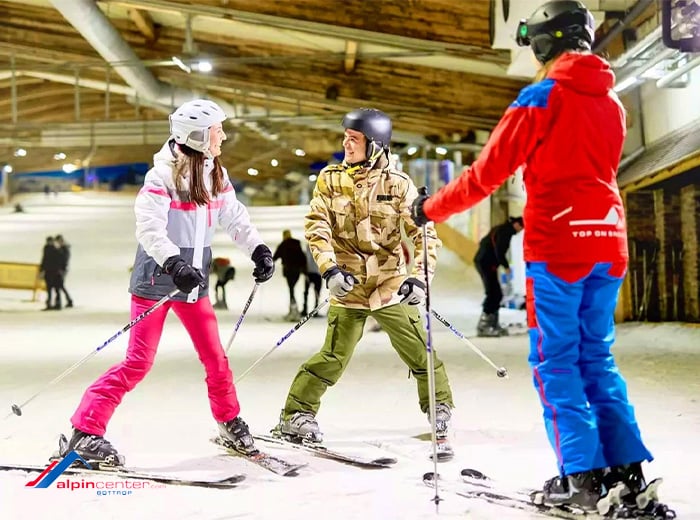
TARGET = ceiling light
x,y
204,66
412,150
7,168
69,168
275,163
441,150
20,152
313,177
252,172
177,61
299,152
59,156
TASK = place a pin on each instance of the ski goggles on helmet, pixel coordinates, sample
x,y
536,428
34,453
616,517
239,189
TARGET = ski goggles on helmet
x,y
522,37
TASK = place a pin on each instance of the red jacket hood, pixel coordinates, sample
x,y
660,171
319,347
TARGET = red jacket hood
x,y
584,73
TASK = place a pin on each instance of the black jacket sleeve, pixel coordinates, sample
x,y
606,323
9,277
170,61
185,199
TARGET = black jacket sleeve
x,y
500,238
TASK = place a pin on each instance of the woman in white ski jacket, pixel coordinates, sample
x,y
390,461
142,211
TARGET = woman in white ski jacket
x,y
183,197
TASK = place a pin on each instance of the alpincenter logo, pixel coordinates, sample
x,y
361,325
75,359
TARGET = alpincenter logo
x,y
56,469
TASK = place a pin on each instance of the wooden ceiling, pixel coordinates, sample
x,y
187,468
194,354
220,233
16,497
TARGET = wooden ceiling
x,y
288,70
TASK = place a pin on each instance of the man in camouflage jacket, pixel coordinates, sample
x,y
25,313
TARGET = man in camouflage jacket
x,y
354,233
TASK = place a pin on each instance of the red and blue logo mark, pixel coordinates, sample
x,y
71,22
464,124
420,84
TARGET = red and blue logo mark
x,y
56,469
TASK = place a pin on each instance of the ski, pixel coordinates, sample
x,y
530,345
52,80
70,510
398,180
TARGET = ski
x,y
264,460
476,485
513,500
124,473
610,505
325,452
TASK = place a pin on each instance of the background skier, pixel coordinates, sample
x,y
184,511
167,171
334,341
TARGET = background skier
x,y
225,272
293,264
493,252
312,278
64,249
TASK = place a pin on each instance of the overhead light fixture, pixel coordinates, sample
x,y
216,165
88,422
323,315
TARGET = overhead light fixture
x,y
412,150
252,172
177,61
441,150
69,168
313,177
20,152
299,152
625,84
204,66
59,156
275,163
7,168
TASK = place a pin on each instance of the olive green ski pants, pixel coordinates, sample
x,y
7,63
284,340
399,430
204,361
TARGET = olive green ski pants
x,y
345,326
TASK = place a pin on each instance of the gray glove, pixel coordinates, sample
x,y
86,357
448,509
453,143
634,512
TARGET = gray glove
x,y
339,282
413,291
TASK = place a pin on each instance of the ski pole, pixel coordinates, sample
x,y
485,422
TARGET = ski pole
x,y
500,371
284,338
240,318
431,363
17,409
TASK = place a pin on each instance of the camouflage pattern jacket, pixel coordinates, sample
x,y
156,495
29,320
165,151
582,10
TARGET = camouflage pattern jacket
x,y
355,223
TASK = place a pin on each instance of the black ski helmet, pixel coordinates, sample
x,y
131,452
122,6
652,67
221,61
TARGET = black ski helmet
x,y
374,124
555,27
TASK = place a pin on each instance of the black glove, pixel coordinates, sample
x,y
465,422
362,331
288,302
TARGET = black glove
x,y
184,275
413,291
264,265
417,213
339,282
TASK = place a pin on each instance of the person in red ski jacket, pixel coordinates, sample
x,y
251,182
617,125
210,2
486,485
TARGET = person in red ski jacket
x,y
567,131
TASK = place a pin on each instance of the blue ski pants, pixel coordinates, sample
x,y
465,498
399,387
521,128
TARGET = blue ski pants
x,y
589,420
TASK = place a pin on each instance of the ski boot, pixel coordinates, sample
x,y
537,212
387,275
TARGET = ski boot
x,y
638,498
95,449
443,414
488,326
237,436
578,490
300,427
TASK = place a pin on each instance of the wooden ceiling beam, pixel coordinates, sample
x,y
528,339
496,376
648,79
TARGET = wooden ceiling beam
x,y
19,82
350,56
426,25
143,22
33,53
383,81
38,94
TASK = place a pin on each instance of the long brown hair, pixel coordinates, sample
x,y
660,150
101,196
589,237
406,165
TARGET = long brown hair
x,y
545,68
191,164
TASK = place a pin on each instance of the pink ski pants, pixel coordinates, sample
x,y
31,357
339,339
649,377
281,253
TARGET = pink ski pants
x,y
104,395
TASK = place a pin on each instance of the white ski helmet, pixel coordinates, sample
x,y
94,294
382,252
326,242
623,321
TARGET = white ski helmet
x,y
189,124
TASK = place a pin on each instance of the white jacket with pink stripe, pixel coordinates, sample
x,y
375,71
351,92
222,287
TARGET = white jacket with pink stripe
x,y
167,226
